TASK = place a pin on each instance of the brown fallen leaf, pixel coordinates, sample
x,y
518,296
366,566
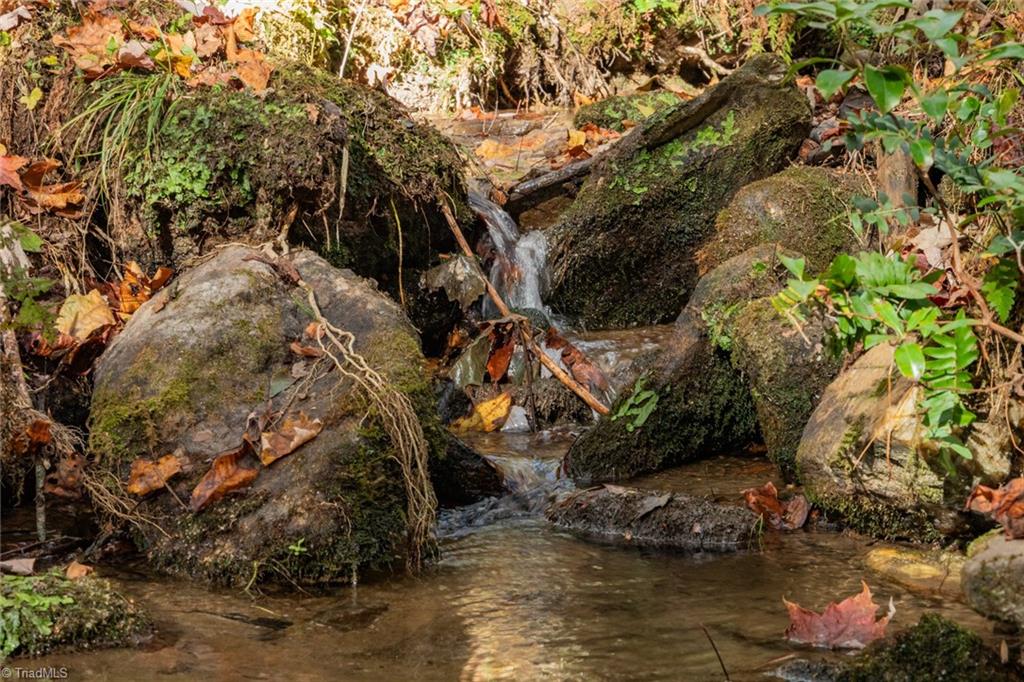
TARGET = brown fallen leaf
x,y
208,40
292,433
765,502
226,475
66,480
93,44
82,314
1004,504
19,566
502,347
147,475
75,570
136,288
305,351
244,24
9,166
850,624
63,198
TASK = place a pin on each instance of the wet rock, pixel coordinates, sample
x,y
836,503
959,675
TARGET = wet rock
x,y
802,208
754,273
934,649
47,613
921,570
612,111
862,457
691,404
464,476
649,518
625,253
191,366
554,404
787,369
993,580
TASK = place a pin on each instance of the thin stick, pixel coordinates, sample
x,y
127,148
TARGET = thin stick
x,y
342,191
528,341
717,653
351,35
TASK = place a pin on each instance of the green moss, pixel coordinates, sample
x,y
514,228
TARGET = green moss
x,y
48,612
934,649
612,111
875,518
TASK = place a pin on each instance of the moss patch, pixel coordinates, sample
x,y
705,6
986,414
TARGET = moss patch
x,y
612,111
48,612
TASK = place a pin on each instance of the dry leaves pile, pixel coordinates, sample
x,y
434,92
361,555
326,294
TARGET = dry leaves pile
x,y
27,179
1004,504
850,624
206,54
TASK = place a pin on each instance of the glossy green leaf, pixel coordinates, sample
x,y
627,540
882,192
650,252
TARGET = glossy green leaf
x,y
910,361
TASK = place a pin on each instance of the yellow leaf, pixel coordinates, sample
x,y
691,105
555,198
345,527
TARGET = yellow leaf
x,y
492,149
489,415
645,110
577,138
31,100
81,315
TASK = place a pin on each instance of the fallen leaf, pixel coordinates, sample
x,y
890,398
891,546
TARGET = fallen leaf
x,y
502,348
850,624
244,24
75,570
764,502
9,166
147,31
253,70
208,40
305,351
21,566
135,55
32,99
92,44
460,280
487,416
66,481
1004,504
292,433
10,20
147,475
492,149
81,315
226,475
136,288
62,198
577,138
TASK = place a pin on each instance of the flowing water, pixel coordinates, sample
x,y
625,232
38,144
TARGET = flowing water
x,y
513,598
519,271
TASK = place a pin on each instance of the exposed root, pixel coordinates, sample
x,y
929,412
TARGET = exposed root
x,y
400,423
112,501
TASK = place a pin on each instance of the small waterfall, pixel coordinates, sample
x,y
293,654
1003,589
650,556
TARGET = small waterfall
x,y
519,272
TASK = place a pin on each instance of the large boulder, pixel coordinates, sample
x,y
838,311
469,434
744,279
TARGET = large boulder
x,y
864,458
625,253
787,370
702,405
993,580
803,208
652,518
210,354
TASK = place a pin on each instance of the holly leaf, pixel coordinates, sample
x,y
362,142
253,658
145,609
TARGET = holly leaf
x,y
850,624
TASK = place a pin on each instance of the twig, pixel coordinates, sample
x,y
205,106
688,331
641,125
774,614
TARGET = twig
x,y
528,341
351,35
717,653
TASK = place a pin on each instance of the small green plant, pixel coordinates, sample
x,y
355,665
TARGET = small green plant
x,y
21,606
23,290
956,130
298,548
718,319
638,406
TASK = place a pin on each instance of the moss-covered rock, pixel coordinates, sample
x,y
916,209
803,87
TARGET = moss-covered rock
x,y
993,580
864,459
612,111
689,403
47,613
227,165
212,348
934,649
624,254
802,208
787,370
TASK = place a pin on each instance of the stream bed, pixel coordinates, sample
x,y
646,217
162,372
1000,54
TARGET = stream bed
x,y
513,598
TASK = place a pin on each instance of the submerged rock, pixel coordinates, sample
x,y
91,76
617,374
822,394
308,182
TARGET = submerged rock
x,y
650,518
625,253
195,362
928,571
50,613
862,456
802,208
993,580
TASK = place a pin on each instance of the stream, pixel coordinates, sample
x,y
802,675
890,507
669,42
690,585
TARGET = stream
x,y
512,598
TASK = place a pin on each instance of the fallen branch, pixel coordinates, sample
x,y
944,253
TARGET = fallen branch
x,y
530,193
528,341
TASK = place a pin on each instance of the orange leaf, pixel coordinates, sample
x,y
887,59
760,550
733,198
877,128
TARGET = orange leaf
x,y
66,481
147,476
492,149
501,357
225,475
244,24
208,41
253,69
850,624
149,32
75,570
9,166
292,434
764,502
1004,504
305,351
89,43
